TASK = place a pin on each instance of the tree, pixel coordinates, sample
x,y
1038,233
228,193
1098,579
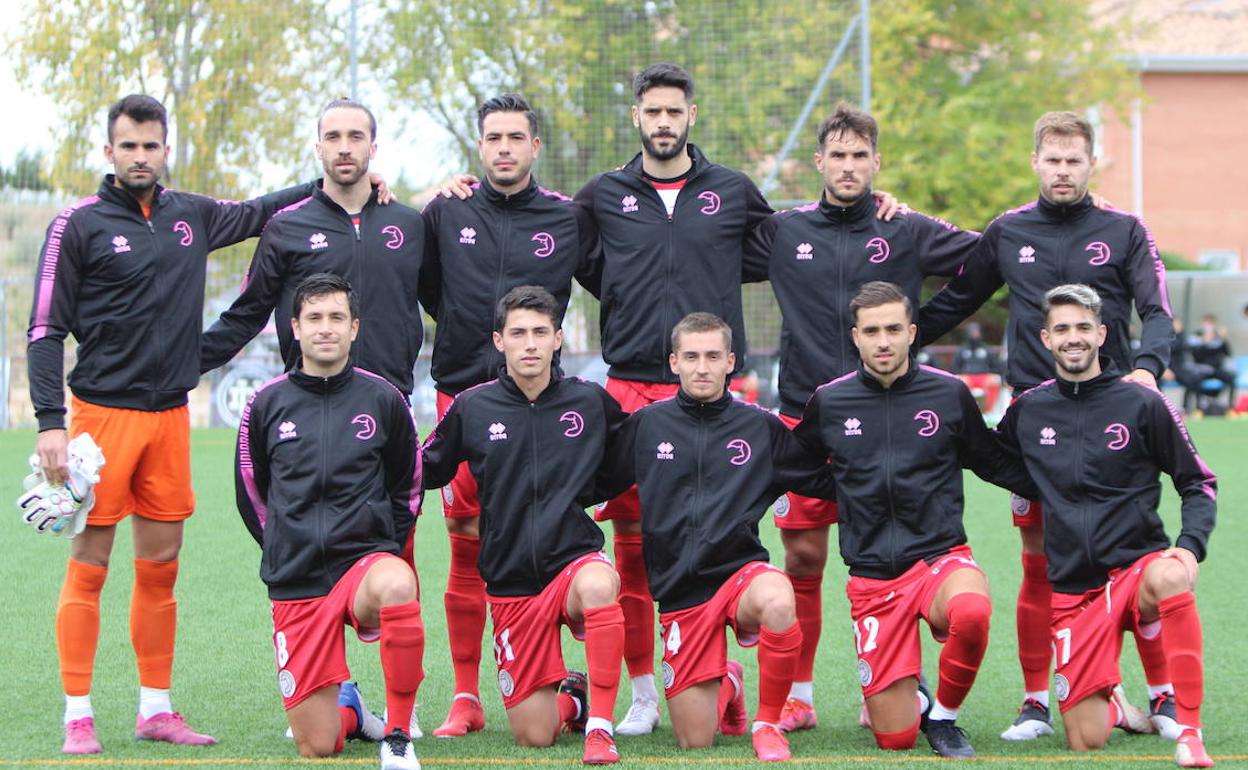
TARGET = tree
x,y
234,77
26,173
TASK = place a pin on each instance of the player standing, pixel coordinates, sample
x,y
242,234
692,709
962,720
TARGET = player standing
x,y
124,271
707,467
328,483
510,232
817,257
534,441
897,436
1063,237
1096,444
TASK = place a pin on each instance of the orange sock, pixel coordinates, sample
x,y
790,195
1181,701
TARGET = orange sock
x,y
1184,641
465,612
604,655
154,620
808,593
637,604
1034,642
78,624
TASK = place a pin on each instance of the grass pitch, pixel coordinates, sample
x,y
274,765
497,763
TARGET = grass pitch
x,y
225,680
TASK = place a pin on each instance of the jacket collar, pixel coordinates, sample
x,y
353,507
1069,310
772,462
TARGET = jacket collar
x,y
109,191
510,387
859,210
699,162
505,200
323,385
1064,212
1075,390
900,383
318,192
703,410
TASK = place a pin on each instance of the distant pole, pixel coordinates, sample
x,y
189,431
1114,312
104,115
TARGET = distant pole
x,y
355,54
864,52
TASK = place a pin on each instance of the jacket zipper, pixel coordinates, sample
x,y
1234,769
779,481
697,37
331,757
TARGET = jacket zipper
x,y
1083,509
320,482
536,496
159,326
888,481
696,529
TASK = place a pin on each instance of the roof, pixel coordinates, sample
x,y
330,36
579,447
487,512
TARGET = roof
x,y
1181,35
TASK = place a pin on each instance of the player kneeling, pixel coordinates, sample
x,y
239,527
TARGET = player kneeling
x,y
1096,444
707,467
328,482
534,441
897,436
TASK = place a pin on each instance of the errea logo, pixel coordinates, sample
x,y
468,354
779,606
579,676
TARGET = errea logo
x,y
120,244
853,427
628,203
318,241
1026,254
805,251
285,430
498,431
666,451
1048,436
468,235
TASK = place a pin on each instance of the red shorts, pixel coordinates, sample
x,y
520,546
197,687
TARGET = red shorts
x,y
793,511
886,636
695,648
526,633
632,395
308,638
1087,632
147,461
1027,513
459,498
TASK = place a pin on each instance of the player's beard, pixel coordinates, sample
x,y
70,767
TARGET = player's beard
x,y
842,200
887,368
674,151
1077,367
358,173
138,187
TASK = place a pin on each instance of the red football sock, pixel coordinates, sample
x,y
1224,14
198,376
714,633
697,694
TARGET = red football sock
x,y
402,658
727,691
968,640
154,620
899,741
78,624
1035,646
808,591
1183,640
1153,658
465,612
348,723
637,604
569,707
778,652
604,656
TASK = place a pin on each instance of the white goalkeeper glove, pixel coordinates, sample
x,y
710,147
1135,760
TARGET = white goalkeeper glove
x,y
62,508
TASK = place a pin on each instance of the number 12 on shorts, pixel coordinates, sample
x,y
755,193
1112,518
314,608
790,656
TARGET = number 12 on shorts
x,y
865,634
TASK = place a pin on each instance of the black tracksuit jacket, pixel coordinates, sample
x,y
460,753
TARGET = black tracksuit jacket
x,y
1041,245
819,255
898,454
657,269
327,471
315,235
1096,450
478,249
131,291
706,473
536,464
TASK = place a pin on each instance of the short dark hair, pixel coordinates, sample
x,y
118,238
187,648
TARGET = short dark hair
x,y
848,119
1074,294
876,293
660,75
349,103
506,103
526,298
140,108
698,322
321,284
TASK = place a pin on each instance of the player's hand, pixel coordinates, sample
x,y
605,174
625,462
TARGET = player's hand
x,y
888,206
384,194
1143,377
458,186
53,456
1188,560
1101,202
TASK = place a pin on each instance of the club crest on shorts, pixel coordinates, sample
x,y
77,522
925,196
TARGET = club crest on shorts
x,y
506,685
1020,505
286,683
669,675
865,674
448,497
782,506
1062,685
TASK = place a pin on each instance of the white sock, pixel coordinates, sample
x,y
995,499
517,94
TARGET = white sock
x,y
1158,690
643,688
939,711
924,701
467,696
153,701
736,684
598,723
803,691
1040,696
77,707
760,725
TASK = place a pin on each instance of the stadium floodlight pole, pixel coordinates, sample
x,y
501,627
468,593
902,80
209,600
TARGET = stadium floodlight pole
x,y
864,52
355,54
791,141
